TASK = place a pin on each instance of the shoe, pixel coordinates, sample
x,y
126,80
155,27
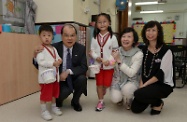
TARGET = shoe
x,y
120,103
76,107
100,106
127,106
56,111
156,112
46,115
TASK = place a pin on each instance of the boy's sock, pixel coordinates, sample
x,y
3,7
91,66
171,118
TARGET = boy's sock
x,y
43,107
56,110
53,105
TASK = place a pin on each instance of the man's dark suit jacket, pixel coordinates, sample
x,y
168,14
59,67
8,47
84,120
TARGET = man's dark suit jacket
x,y
79,60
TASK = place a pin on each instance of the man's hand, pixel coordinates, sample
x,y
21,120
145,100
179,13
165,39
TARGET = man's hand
x,y
57,63
37,50
64,75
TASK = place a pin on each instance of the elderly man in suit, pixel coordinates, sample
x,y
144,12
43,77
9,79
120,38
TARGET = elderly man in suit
x,y
73,77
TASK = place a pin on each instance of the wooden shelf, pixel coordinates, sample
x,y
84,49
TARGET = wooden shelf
x,y
18,77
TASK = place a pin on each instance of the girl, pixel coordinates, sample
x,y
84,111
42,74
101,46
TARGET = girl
x,y
48,60
102,45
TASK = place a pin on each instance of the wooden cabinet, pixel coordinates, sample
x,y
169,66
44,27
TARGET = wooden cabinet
x,y
18,77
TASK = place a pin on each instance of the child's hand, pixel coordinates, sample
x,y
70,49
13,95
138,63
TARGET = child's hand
x,y
90,53
99,59
106,63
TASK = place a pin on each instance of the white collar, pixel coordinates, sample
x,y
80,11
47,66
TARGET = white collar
x,y
103,35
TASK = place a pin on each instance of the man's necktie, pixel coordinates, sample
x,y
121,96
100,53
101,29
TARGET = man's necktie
x,y
68,66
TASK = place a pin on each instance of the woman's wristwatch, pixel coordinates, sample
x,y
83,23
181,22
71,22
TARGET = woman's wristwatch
x,y
119,64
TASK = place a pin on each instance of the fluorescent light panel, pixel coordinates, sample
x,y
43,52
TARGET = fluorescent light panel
x,y
146,3
147,12
149,3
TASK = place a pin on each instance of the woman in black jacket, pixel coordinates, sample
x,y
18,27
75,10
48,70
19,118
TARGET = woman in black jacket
x,y
157,71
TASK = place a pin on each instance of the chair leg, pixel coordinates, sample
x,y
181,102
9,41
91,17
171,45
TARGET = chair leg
x,y
182,74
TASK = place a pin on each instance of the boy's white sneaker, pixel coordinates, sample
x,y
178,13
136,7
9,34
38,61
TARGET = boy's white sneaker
x,y
46,115
56,111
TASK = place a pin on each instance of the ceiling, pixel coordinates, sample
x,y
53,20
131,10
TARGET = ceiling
x,y
170,6
167,1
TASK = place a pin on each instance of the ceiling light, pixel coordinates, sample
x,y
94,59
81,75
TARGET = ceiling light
x,y
146,3
150,3
147,12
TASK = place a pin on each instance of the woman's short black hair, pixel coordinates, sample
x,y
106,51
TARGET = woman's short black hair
x,y
160,36
135,35
45,27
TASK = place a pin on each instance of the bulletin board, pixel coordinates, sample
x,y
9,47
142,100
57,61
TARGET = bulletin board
x,y
168,29
138,28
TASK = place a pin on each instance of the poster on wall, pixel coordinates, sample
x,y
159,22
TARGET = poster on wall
x,y
57,32
81,33
138,28
13,11
168,29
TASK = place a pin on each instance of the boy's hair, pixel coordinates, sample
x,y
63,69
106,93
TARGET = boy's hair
x,y
96,30
45,27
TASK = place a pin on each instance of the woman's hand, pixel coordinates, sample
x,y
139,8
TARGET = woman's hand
x,y
141,84
116,56
37,50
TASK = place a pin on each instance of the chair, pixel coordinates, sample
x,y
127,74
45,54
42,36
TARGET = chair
x,y
180,62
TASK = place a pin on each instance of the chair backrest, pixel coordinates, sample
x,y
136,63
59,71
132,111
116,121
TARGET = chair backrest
x,y
180,58
180,53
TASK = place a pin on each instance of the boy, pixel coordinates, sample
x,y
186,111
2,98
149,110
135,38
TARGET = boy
x,y
48,75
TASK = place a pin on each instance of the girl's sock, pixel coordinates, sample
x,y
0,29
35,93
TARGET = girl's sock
x,y
101,100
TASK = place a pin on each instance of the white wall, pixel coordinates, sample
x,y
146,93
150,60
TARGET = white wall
x,y
80,8
109,7
54,10
65,10
73,10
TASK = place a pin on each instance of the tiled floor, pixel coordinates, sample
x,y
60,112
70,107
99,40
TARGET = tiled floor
x,y
27,109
